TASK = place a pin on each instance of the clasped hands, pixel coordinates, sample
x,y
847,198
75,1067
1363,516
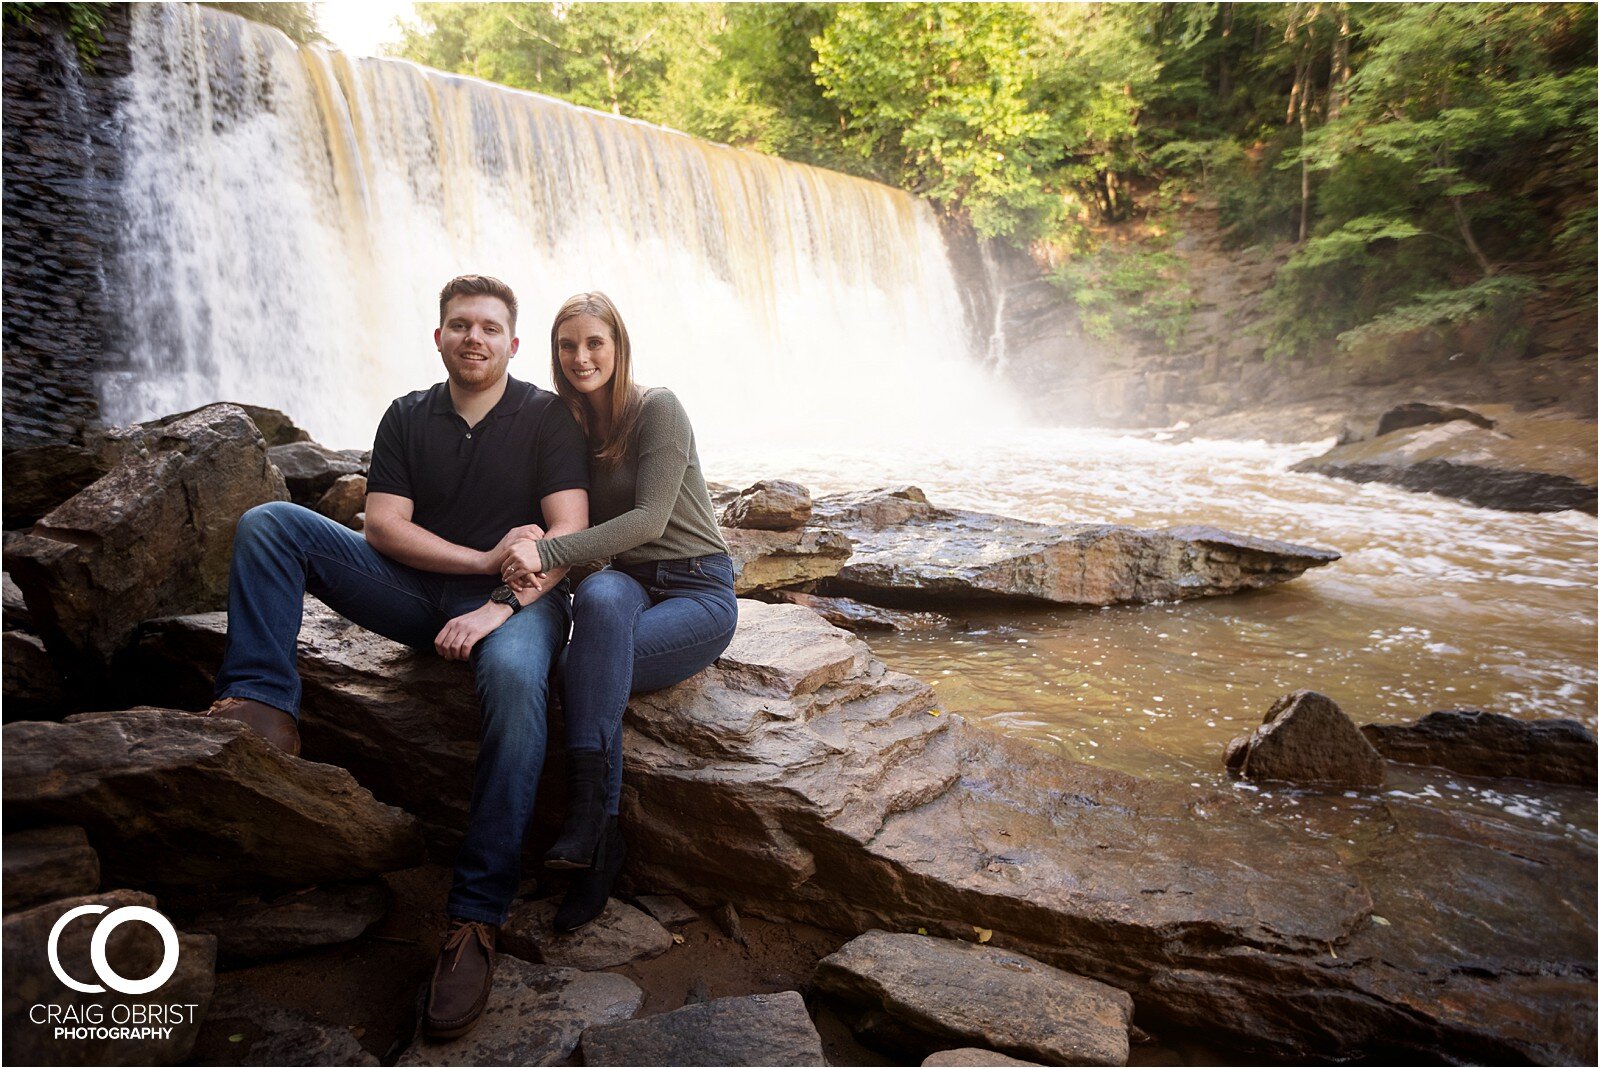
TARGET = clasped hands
x,y
516,559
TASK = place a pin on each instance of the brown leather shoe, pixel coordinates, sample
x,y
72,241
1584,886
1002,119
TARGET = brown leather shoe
x,y
462,978
274,725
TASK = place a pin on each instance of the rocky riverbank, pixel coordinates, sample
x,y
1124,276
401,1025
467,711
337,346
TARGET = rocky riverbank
x,y
797,800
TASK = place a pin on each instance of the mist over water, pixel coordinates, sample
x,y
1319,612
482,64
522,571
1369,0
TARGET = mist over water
x,y
293,213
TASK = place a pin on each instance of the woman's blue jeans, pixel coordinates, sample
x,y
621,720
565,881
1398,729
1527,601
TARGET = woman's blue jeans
x,y
638,628
282,551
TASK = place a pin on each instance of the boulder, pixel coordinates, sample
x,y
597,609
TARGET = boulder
x,y
153,536
1477,743
1423,413
32,684
769,505
134,951
800,778
858,616
971,1056
534,1017
345,500
269,1034
1520,464
619,935
310,470
1306,738
908,551
669,910
405,724
175,801
931,992
275,427
16,616
40,477
768,560
46,864
258,928
747,1030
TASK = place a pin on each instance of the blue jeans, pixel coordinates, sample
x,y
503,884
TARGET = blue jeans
x,y
281,551
638,628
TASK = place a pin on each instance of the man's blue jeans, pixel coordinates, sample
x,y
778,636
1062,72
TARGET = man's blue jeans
x,y
281,551
638,628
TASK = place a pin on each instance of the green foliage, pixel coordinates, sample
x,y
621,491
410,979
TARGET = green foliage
x,y
84,24
298,21
1121,289
1495,297
946,112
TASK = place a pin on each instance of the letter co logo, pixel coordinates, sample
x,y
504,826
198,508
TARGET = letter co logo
x,y
97,949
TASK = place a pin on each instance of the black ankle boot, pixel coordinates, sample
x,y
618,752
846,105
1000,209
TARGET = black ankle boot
x,y
586,811
586,898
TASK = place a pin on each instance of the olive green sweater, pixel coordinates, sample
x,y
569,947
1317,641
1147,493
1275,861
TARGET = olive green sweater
x,y
653,505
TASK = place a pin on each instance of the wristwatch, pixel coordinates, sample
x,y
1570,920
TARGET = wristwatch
x,y
506,596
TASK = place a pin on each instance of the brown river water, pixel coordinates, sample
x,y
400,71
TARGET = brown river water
x,y
1435,605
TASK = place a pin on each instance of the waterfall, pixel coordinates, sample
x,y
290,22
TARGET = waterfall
x,y
291,214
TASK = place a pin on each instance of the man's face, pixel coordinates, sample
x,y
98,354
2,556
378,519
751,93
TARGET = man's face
x,y
475,341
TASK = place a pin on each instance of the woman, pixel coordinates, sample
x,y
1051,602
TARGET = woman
x,y
661,612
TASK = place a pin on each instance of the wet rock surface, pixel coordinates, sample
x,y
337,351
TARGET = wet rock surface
x,y
134,951
769,505
1520,464
1306,738
1477,743
768,560
859,616
175,801
619,935
46,864
922,993
748,1030
908,551
534,1017
151,537
256,929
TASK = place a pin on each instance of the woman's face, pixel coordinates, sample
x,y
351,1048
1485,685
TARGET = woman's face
x,y
587,352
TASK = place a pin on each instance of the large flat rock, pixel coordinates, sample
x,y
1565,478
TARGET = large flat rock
x,y
770,560
801,779
619,935
1521,465
932,992
534,1016
745,1030
173,801
908,551
1491,744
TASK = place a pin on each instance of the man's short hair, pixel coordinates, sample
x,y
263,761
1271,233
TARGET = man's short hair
x,y
478,286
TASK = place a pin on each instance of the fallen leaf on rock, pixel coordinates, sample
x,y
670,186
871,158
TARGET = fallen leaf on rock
x,y
237,1037
1380,920
934,712
922,931
676,938
984,934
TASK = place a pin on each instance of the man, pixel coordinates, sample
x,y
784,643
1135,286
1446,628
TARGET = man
x,y
458,473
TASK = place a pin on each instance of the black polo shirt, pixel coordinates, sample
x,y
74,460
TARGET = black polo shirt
x,y
470,485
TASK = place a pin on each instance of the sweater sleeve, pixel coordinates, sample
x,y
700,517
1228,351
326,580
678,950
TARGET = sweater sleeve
x,y
664,438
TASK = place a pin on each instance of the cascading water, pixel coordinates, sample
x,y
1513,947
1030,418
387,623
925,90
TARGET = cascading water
x,y
292,214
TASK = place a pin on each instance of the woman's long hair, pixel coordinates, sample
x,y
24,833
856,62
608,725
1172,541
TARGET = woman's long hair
x,y
626,397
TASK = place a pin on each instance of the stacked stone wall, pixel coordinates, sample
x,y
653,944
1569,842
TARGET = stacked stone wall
x,y
61,213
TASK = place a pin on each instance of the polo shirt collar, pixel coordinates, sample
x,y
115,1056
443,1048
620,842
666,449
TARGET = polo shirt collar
x,y
509,401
